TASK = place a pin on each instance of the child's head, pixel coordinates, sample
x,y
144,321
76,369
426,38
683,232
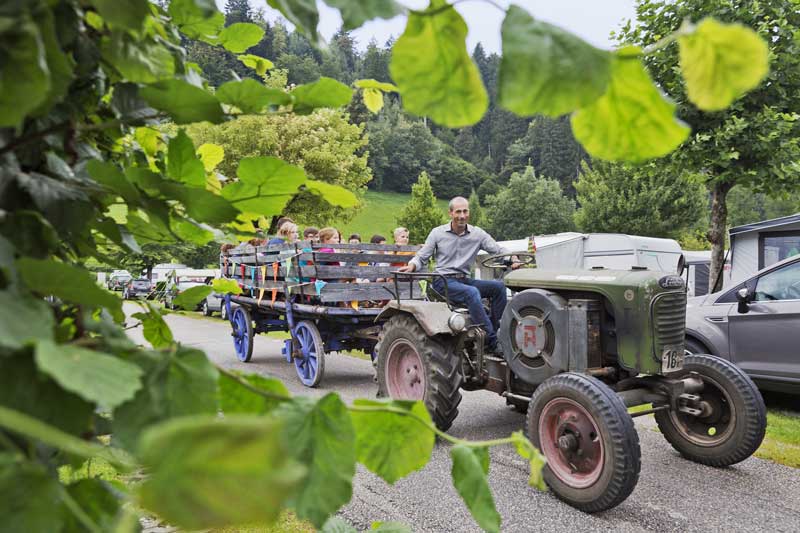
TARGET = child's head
x,y
378,239
288,231
329,236
400,236
355,238
311,234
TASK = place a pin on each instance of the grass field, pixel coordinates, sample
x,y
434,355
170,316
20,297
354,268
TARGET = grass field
x,y
379,215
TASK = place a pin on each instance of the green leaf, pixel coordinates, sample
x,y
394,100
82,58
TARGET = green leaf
x,y
527,450
435,74
390,527
302,13
325,92
392,445
260,64
333,194
337,525
240,36
155,329
94,376
24,389
546,70
211,155
320,436
179,383
129,15
470,468
24,78
236,398
197,19
632,121
69,283
373,99
356,12
191,298
23,320
183,101
374,84
265,185
30,498
251,96
182,162
94,20
59,64
720,62
98,500
201,204
108,175
226,286
138,61
208,472
149,139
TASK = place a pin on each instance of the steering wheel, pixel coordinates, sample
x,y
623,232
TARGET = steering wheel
x,y
505,260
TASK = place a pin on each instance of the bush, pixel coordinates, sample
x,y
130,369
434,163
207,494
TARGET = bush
x,y
529,205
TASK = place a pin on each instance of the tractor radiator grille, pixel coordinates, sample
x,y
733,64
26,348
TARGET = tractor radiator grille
x,y
669,320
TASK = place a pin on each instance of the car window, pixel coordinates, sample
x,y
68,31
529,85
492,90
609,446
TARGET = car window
x,y
781,284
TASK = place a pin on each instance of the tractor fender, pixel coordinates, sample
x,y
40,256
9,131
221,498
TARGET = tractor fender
x,y
552,335
432,316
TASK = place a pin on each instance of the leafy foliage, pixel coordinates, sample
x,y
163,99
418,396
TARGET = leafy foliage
x,y
421,214
639,200
529,205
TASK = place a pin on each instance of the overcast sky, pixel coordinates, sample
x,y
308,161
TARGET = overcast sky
x,y
593,20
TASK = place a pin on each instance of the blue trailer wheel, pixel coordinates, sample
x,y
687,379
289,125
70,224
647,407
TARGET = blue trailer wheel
x,y
309,358
242,333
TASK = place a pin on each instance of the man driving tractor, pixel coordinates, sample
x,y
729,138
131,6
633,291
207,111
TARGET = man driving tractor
x,y
454,247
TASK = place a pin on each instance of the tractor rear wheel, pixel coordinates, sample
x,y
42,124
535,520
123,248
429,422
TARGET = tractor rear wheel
x,y
731,419
584,431
413,366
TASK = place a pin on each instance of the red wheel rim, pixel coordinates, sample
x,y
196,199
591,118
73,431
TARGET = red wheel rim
x,y
405,374
571,442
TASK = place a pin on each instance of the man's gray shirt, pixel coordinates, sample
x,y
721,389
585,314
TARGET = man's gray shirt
x,y
455,254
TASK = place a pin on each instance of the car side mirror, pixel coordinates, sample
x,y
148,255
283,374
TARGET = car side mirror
x,y
743,295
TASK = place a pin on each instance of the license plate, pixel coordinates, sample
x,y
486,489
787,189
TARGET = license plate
x,y
672,358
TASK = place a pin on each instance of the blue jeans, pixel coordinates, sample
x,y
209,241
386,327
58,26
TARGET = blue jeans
x,y
468,292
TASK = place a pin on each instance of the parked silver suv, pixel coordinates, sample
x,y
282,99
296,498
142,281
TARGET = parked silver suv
x,y
755,324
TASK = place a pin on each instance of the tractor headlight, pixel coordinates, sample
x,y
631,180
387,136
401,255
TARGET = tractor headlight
x,y
457,322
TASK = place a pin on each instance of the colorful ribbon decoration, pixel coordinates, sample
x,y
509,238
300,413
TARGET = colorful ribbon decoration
x,y
275,279
318,285
263,269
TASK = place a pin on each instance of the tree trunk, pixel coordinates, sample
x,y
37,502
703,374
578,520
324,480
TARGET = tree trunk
x,y
717,231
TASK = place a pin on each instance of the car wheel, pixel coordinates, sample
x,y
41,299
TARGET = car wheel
x,y
694,347
206,310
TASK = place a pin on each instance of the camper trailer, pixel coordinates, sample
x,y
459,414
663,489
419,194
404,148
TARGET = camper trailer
x,y
572,250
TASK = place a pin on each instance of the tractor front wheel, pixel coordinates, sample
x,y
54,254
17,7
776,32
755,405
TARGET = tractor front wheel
x,y
584,431
727,419
413,366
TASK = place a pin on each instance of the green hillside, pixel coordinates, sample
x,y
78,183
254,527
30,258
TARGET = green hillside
x,y
379,215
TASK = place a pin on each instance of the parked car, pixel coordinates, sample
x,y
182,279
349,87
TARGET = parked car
x,y
176,289
137,288
118,280
755,324
214,303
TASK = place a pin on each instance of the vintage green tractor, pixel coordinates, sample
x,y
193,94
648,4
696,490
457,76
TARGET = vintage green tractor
x,y
577,350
